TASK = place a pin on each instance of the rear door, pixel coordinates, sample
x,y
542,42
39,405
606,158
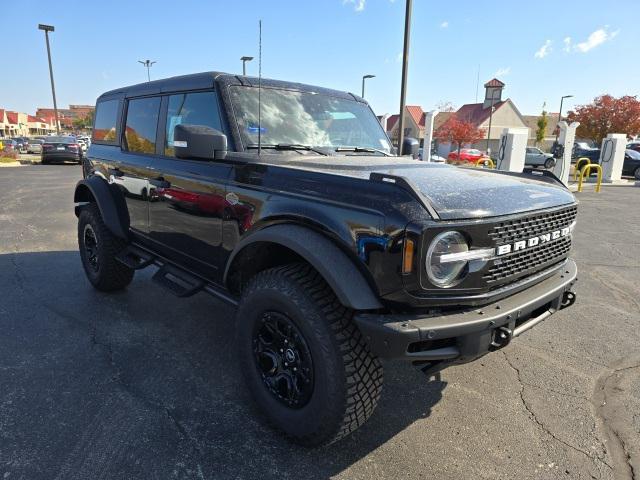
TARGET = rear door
x,y
132,170
188,205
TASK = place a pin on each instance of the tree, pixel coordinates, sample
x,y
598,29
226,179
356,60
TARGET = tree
x,y
84,122
542,126
459,132
607,114
445,106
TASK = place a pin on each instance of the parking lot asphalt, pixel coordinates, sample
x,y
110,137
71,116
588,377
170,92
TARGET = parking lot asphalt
x,y
140,384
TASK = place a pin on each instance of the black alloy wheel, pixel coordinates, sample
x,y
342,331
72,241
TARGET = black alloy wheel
x,y
91,247
283,359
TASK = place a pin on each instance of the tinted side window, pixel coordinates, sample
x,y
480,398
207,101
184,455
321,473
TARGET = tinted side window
x,y
191,108
141,125
104,125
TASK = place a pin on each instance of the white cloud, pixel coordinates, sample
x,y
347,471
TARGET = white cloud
x,y
399,57
567,44
358,5
444,24
544,50
501,72
596,38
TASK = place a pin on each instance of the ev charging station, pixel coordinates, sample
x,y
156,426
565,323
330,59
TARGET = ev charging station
x,y
429,118
612,156
512,150
563,157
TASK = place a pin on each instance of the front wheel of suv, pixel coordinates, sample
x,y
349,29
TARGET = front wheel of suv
x,y
304,360
98,250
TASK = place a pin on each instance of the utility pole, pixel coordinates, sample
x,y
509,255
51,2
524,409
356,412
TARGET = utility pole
x,y
47,29
364,77
244,64
560,114
405,68
148,64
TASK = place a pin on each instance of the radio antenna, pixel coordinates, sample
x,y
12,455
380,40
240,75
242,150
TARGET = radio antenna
x,y
259,87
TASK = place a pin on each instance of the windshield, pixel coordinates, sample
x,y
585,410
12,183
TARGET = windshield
x,y
306,118
633,154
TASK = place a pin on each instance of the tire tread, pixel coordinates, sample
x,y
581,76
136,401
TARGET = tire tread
x,y
113,274
362,371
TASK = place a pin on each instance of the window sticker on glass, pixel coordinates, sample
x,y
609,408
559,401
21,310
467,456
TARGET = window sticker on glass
x,y
173,122
252,128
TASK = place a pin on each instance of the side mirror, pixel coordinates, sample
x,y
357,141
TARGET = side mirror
x,y
410,146
199,141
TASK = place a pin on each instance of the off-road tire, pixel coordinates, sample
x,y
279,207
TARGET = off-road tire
x,y
110,274
347,377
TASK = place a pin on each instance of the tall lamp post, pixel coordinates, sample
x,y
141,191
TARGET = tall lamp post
x,y
405,68
560,113
244,64
47,29
364,77
148,64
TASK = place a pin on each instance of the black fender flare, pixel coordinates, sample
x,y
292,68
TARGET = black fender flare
x,y
338,270
110,201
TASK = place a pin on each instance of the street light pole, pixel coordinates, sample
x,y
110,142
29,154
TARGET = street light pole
x,y
560,114
405,68
47,29
148,64
364,77
244,64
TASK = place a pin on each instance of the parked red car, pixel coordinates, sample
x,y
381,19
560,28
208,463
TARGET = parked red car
x,y
467,155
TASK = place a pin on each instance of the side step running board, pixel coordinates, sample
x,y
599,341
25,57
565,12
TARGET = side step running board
x,y
134,257
178,282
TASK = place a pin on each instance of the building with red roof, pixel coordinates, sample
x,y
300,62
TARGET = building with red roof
x,y
505,115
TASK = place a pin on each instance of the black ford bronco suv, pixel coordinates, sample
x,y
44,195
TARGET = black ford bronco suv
x,y
288,201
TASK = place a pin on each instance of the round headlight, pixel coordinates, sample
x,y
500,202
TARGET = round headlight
x,y
445,271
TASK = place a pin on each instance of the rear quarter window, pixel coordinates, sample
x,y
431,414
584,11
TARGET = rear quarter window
x,y
106,121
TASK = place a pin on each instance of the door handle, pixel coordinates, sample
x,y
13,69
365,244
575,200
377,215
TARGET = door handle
x,y
159,182
116,172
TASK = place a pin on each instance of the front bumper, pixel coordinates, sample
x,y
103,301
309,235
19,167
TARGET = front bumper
x,y
462,336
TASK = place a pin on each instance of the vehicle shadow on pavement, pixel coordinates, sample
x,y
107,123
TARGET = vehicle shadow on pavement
x,y
140,384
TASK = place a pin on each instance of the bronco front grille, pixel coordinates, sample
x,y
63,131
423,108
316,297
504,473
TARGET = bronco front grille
x,y
525,262
513,266
511,231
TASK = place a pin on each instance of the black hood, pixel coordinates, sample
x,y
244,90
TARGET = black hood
x,y
455,193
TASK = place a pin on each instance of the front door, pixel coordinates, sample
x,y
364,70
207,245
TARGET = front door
x,y
187,207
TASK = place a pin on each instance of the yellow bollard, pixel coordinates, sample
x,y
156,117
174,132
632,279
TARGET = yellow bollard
x,y
485,160
586,171
577,167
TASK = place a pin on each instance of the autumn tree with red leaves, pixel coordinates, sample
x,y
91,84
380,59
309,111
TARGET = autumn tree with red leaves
x,y
459,132
607,114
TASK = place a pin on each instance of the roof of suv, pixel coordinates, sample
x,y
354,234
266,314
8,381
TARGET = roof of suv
x,y
204,80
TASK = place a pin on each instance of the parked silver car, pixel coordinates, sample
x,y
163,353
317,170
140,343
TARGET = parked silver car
x,y
535,157
35,145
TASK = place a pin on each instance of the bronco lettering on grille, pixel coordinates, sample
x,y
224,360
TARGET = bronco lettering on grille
x,y
533,241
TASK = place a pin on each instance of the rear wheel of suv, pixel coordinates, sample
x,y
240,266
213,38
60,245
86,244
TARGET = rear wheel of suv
x,y
304,360
636,174
98,250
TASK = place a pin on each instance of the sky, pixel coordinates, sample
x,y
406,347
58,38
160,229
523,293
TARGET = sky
x,y
541,50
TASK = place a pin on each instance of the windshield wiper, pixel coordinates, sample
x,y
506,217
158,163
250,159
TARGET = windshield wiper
x,y
362,149
288,146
